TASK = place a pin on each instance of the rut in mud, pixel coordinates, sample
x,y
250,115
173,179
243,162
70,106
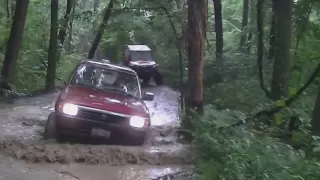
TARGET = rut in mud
x,y
23,123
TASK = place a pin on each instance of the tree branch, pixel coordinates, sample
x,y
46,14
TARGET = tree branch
x,y
102,26
269,113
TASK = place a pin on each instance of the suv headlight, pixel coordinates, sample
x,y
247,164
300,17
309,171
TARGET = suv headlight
x,y
137,121
70,109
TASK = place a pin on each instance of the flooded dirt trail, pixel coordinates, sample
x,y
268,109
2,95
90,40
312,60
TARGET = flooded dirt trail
x,y
26,156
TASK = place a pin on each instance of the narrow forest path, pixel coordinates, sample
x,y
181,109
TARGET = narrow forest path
x,y
26,156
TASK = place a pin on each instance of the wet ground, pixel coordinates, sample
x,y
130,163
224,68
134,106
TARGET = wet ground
x,y
26,156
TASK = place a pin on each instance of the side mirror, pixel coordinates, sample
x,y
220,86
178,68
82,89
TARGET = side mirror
x,y
148,96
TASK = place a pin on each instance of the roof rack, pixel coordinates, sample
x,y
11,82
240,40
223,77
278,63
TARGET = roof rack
x,y
105,60
101,60
138,47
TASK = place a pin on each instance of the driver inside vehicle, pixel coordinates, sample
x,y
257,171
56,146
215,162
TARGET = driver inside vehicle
x,y
107,79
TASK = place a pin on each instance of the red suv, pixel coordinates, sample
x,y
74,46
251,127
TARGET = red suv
x,y
101,100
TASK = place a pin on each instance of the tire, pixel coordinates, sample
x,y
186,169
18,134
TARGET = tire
x,y
50,131
158,78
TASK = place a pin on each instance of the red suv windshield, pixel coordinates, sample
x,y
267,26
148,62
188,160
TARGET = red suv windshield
x,y
106,79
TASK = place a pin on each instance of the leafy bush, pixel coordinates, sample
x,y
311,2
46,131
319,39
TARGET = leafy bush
x,y
239,153
31,75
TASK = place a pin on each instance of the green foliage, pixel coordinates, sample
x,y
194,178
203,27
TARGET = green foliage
x,y
140,23
236,153
243,153
239,153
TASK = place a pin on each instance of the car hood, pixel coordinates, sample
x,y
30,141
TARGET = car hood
x,y
104,100
142,63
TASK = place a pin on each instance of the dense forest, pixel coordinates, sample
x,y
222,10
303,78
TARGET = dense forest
x,y
247,70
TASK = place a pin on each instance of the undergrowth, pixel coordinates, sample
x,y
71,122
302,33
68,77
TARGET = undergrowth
x,y
250,151
241,153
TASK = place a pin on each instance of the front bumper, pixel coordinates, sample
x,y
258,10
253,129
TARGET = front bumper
x,y
75,126
145,71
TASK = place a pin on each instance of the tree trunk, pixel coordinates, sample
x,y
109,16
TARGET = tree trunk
x,y
96,5
315,122
13,7
244,29
260,51
272,36
71,30
14,42
251,29
248,50
64,27
53,46
281,68
100,32
197,15
219,35
7,9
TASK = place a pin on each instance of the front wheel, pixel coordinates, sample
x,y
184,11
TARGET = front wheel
x,y
50,130
158,78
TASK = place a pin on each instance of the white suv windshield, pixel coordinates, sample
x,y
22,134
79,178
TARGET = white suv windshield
x,y
107,79
141,56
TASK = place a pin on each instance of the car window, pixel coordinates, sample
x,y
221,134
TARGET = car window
x,y
106,79
141,56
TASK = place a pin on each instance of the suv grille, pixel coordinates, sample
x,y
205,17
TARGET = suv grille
x,y
100,116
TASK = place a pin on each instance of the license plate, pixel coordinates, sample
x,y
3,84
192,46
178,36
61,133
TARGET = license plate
x,y
100,132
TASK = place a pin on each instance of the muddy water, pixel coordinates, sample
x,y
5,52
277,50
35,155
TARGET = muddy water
x,y
22,125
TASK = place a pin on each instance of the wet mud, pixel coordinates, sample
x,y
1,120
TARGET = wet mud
x,y
23,123
50,152
12,169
